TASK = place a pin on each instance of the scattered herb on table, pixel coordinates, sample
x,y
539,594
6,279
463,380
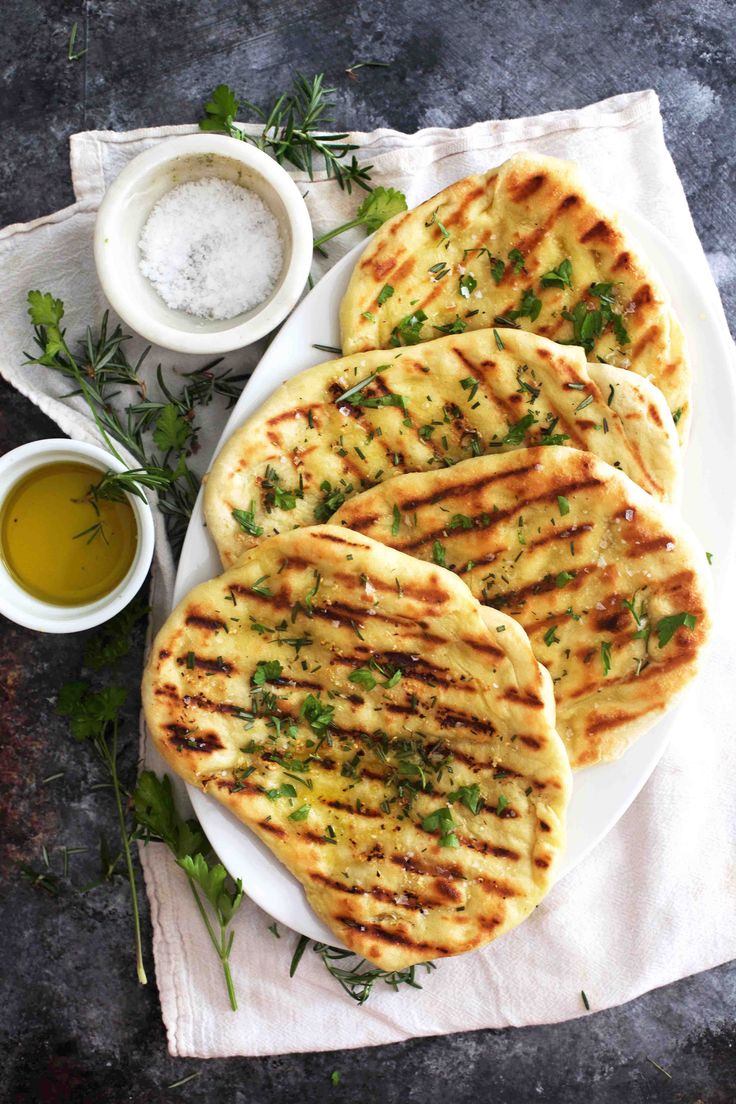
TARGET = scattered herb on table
x,y
589,322
352,69
295,129
184,1080
658,1067
518,430
606,656
71,53
246,519
408,330
113,641
434,220
95,716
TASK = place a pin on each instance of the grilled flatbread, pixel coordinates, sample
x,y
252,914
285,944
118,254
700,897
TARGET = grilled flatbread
x,y
609,584
526,244
329,432
389,739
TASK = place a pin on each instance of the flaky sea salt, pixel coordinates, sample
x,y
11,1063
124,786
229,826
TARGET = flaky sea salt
x,y
211,248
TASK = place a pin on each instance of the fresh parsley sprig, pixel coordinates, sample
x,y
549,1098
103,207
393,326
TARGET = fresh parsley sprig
x,y
377,208
158,819
113,641
95,716
294,129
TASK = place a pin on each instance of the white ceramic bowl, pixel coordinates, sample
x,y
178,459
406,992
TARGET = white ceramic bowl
x,y
125,209
22,607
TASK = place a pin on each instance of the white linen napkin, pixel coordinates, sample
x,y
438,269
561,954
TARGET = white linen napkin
x,y
654,902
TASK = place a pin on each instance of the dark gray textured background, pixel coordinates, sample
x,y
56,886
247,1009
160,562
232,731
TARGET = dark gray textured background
x,y
75,1026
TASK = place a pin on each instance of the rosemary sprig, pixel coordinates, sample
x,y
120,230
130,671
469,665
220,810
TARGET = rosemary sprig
x,y
158,819
357,976
159,433
95,716
71,53
295,130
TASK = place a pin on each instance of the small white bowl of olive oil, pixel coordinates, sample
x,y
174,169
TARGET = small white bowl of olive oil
x,y
68,559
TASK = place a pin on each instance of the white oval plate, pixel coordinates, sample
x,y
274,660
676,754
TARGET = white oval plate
x,y
602,793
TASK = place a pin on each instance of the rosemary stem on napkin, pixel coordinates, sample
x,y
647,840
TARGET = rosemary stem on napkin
x,y
159,433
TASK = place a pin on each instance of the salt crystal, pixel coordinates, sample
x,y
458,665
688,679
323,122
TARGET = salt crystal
x,y
211,248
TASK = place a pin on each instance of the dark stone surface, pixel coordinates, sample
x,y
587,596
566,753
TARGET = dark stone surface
x,y
76,1027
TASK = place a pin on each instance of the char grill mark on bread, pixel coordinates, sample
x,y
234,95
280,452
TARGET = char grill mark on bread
x,y
569,546
345,780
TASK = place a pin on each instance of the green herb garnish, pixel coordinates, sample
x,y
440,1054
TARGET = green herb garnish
x,y
606,655
434,221
441,819
667,626
301,813
409,329
470,796
467,285
558,277
246,519
529,307
355,975
295,129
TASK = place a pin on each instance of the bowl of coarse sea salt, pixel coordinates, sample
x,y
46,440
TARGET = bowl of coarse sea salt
x,y
203,244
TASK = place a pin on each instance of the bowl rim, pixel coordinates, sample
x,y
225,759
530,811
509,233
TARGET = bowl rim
x,y
34,614
239,335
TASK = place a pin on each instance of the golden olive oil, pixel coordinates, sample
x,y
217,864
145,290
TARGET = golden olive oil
x,y
60,544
